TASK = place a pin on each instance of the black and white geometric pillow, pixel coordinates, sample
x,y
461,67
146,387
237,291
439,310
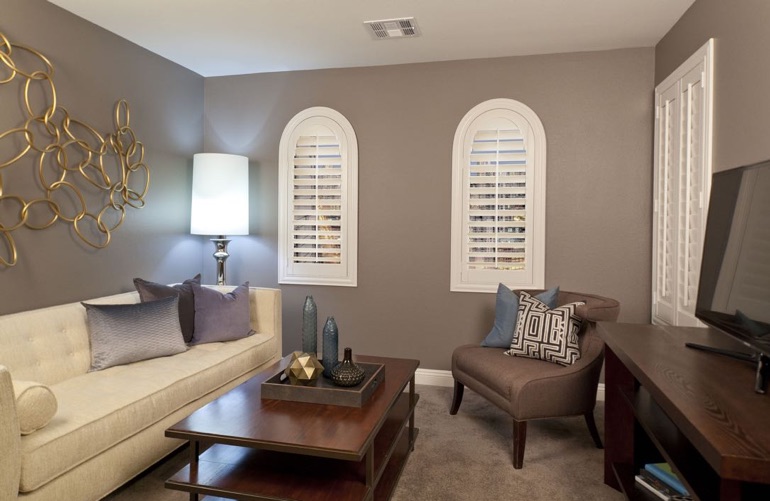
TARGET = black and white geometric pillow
x,y
545,334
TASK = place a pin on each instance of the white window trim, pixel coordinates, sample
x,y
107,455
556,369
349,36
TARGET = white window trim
x,y
538,192
347,274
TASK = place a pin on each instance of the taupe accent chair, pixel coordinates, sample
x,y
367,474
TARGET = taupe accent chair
x,y
529,389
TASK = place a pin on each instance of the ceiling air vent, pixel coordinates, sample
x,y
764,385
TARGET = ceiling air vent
x,y
393,28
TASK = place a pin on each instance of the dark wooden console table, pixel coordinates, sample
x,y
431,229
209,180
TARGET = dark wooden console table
x,y
693,409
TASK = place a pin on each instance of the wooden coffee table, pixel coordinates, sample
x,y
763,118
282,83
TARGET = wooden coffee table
x,y
282,450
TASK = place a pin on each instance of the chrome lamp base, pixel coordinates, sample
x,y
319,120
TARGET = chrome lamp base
x,y
221,255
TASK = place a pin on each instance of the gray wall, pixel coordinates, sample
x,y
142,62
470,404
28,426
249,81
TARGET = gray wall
x,y
742,76
597,112
93,70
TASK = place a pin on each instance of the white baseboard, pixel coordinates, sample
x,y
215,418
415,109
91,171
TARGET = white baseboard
x,y
432,377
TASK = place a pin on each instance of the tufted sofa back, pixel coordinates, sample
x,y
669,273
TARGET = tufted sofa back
x,y
50,345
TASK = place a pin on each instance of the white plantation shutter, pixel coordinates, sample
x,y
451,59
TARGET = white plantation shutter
x,y
682,184
318,200
497,205
694,187
665,204
316,205
498,198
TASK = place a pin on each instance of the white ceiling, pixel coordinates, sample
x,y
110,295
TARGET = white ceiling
x,y
229,37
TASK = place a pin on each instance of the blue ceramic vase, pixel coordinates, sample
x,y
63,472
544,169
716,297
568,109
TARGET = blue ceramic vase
x,y
310,326
331,346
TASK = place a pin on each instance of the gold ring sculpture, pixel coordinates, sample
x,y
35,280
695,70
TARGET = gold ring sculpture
x,y
77,167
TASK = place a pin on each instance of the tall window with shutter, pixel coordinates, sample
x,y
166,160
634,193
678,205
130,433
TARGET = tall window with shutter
x,y
318,198
498,198
683,104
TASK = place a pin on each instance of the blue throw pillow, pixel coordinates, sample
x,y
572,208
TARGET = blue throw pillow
x,y
506,313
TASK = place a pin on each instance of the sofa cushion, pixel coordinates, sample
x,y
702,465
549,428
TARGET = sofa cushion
x,y
221,316
506,313
35,405
546,334
93,416
151,291
125,333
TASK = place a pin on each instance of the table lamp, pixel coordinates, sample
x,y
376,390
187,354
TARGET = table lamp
x,y
220,201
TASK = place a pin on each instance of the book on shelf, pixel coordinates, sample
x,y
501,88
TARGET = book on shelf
x,y
657,487
664,472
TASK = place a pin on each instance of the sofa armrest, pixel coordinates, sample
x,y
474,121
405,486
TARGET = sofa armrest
x,y
10,439
267,314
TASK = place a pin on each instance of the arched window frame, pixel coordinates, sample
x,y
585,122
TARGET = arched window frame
x,y
313,122
498,115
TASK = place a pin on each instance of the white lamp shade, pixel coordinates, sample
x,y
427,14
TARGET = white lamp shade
x,y
220,195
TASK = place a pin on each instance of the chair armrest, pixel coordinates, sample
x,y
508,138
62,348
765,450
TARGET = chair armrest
x,y
596,308
10,439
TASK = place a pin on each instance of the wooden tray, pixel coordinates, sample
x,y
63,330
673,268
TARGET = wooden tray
x,y
323,391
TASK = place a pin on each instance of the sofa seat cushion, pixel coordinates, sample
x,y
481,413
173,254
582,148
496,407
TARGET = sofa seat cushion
x,y
100,409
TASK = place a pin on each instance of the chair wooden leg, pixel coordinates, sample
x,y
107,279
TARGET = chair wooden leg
x,y
458,398
519,441
593,430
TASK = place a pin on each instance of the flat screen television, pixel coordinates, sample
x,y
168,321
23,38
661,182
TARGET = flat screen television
x,y
734,286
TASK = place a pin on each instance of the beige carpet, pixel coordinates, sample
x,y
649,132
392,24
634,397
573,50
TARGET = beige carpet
x,y
465,457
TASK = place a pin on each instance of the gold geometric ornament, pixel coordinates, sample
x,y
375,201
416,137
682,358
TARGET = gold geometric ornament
x,y
304,369
85,179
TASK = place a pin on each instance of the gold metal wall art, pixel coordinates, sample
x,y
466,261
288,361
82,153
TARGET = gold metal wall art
x,y
80,177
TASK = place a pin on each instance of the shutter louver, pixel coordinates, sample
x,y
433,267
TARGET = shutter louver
x,y
316,211
496,215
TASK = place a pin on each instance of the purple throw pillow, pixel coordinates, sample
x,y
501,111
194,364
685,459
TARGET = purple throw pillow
x,y
221,316
151,291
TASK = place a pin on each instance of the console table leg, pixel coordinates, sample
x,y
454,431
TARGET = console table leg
x,y
619,418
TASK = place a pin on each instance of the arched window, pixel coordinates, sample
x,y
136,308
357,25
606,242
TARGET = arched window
x,y
318,182
498,198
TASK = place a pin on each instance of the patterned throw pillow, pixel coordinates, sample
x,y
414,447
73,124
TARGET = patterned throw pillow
x,y
545,334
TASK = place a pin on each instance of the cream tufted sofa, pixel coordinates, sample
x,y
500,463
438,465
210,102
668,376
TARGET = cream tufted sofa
x,y
109,425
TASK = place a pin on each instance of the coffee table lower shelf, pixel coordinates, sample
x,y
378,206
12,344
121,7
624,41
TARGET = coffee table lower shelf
x,y
244,473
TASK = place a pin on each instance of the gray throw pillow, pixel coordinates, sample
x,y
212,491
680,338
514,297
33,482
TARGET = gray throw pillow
x,y
151,291
506,313
546,334
125,333
221,316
